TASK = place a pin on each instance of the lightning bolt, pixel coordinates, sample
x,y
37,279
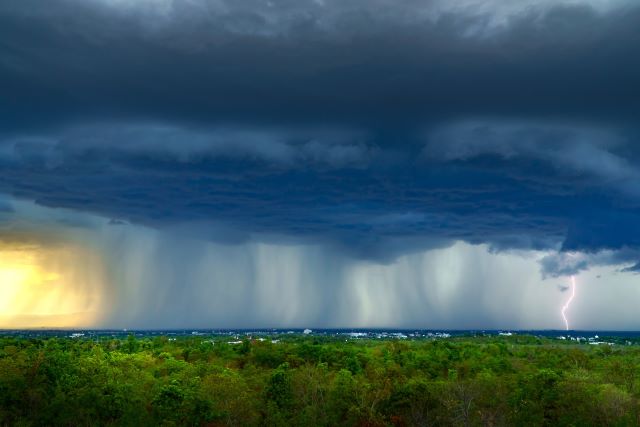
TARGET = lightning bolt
x,y
568,303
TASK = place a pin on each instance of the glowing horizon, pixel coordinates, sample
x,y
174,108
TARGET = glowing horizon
x,y
43,287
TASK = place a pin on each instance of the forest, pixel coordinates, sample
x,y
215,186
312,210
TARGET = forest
x,y
299,380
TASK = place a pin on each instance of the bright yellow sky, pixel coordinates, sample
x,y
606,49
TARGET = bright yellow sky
x,y
48,287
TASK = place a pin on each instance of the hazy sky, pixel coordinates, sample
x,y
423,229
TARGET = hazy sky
x,y
326,163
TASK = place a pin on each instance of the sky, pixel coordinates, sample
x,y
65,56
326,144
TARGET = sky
x,y
319,163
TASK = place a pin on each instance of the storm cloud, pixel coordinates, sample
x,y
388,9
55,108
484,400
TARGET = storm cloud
x,y
377,64
523,186
374,130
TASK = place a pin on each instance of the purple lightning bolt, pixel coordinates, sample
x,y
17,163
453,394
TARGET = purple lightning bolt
x,y
568,303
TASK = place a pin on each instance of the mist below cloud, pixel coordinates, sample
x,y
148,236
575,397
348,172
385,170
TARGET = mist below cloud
x,y
132,276
158,280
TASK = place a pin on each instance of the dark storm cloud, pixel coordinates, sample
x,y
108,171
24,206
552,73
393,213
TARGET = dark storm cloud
x,y
370,201
5,207
633,269
380,127
374,63
567,263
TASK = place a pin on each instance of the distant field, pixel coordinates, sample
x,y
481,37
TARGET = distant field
x,y
327,378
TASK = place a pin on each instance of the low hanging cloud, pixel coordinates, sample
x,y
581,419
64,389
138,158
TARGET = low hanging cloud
x,y
512,186
577,161
575,151
287,148
572,263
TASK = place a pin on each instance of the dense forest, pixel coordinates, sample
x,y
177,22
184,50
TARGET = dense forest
x,y
316,380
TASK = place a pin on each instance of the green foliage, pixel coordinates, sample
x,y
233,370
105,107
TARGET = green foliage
x,y
279,390
317,381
